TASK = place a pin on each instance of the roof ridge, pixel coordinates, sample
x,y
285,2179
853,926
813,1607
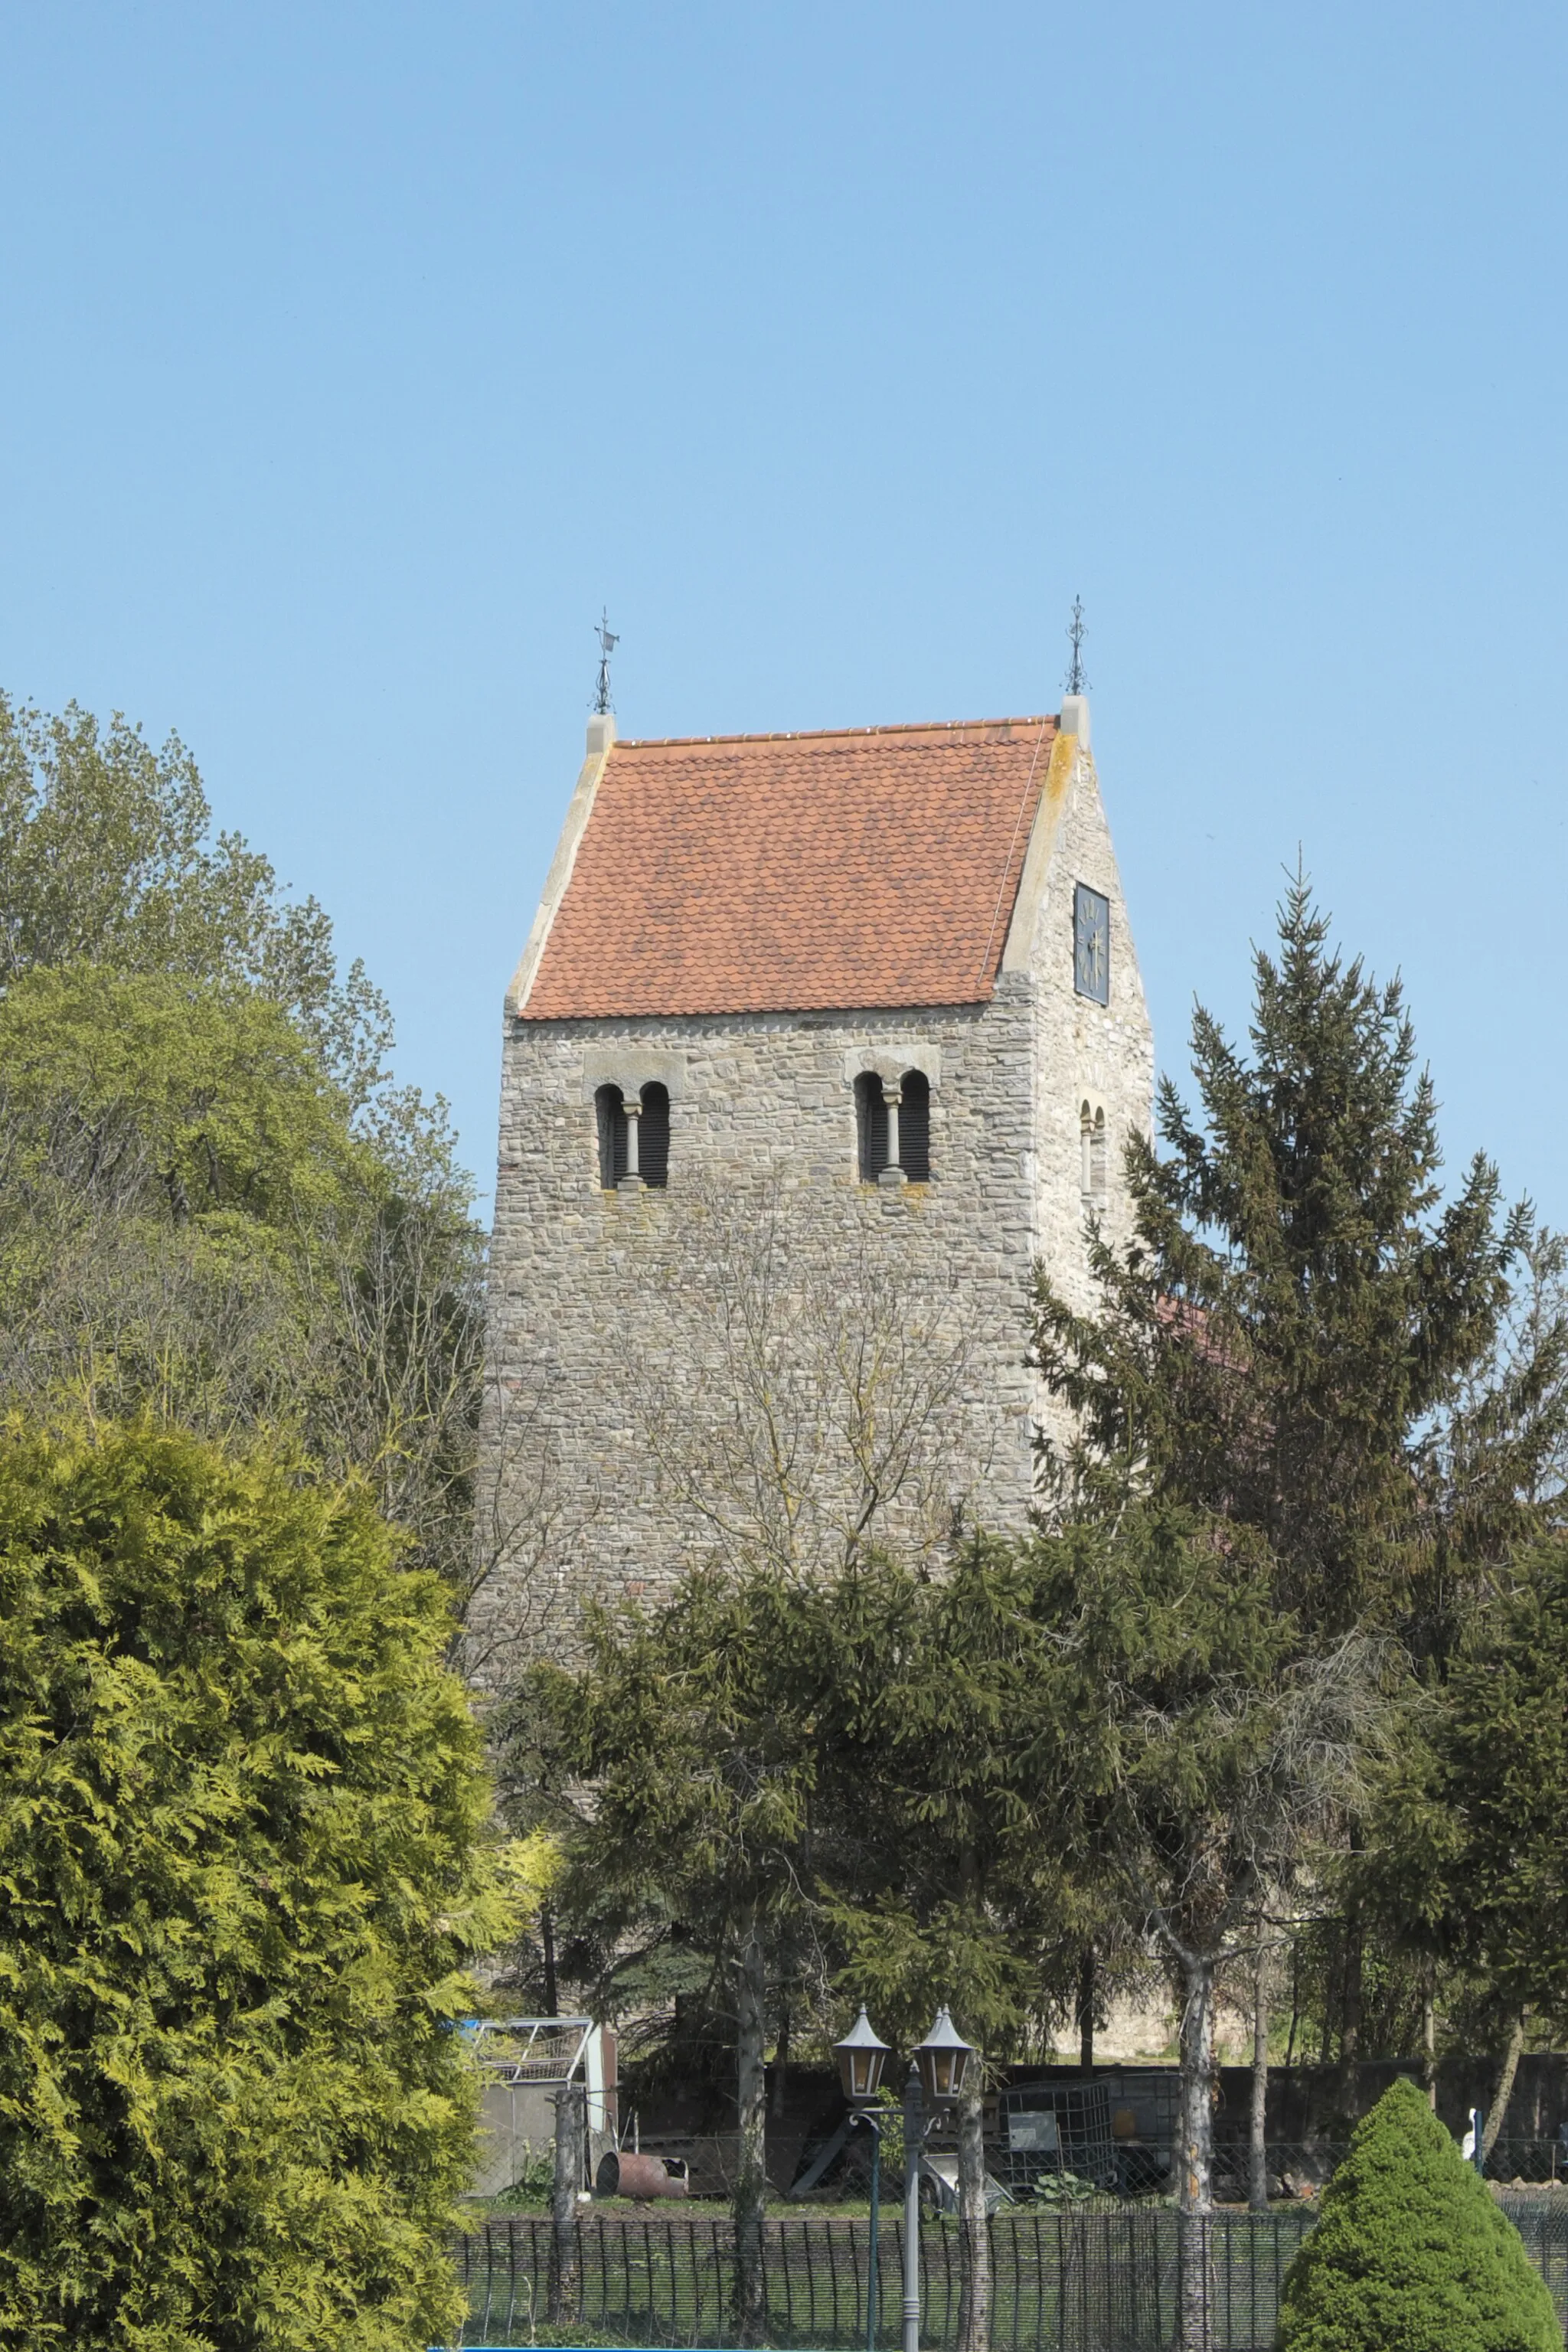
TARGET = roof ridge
x,y
832,734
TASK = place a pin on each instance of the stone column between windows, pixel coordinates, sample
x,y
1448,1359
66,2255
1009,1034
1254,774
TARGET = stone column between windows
x,y
632,1180
893,1173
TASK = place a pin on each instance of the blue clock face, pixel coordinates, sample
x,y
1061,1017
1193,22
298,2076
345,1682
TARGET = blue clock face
x,y
1091,944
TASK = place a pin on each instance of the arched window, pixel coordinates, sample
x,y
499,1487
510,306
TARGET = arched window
x,y
1092,1161
914,1126
871,1126
653,1156
609,1103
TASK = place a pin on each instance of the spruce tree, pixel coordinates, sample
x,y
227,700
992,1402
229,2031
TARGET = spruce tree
x,y
1280,1356
1412,2254
1299,1309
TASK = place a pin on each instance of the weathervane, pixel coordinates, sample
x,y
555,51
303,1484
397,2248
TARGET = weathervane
x,y
1076,682
607,643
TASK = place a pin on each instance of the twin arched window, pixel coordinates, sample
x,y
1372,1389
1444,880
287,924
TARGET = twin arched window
x,y
892,1130
633,1141
892,1126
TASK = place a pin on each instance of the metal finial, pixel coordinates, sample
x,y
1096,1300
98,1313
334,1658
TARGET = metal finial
x,y
607,643
1076,683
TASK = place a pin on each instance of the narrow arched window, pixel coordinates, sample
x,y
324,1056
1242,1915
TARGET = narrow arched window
x,y
871,1126
653,1155
914,1126
609,1105
1093,1163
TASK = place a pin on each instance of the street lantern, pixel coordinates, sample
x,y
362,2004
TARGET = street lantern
x,y
861,2058
943,2059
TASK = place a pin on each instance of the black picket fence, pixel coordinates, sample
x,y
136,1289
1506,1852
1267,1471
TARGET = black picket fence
x,y
1090,2281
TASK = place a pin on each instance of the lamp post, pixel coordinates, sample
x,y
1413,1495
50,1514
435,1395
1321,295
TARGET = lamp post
x,y
861,2058
935,2079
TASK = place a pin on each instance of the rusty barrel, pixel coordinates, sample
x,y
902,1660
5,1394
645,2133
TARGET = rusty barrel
x,y
625,2175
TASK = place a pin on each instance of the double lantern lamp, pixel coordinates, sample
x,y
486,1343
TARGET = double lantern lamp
x,y
936,2082
942,2062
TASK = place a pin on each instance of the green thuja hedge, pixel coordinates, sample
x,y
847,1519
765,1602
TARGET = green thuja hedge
x,y
1412,2254
243,1864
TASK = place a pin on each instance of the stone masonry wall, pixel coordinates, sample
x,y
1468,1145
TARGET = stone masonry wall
x,y
1100,1054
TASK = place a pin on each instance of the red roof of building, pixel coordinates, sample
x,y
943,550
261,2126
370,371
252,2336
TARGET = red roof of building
x,y
780,873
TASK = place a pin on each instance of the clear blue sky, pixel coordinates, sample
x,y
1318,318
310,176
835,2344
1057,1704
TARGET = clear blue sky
x,y
355,355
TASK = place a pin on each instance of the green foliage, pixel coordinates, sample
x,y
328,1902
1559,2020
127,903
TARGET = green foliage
x,y
693,1727
206,1091
1411,2255
879,1769
944,1877
1321,1363
1464,1862
194,1223
1501,1742
215,1204
1181,1719
1063,2188
533,2185
241,1872
106,856
888,2107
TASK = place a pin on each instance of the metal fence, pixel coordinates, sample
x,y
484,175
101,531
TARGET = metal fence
x,y
1091,2281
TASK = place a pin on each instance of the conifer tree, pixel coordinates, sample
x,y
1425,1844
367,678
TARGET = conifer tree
x,y
242,1869
1279,1357
677,1765
1300,1308
1463,1861
1411,2253
848,1766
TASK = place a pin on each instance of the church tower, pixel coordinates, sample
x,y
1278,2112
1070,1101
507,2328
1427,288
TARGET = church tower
x,y
817,1043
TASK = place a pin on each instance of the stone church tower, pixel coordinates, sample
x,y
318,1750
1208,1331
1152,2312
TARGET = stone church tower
x,y
853,1016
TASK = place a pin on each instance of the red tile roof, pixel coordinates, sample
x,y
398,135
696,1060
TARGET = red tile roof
x,y
779,873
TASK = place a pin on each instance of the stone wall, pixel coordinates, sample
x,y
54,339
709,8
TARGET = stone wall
x,y
1088,1053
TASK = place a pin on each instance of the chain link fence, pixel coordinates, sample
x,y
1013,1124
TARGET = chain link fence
x,y
1088,2281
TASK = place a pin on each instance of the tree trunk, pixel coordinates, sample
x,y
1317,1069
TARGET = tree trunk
x,y
1429,2040
547,1937
565,2270
974,2230
1086,1991
781,2065
751,2177
1348,2087
1504,2091
1256,2152
1195,2199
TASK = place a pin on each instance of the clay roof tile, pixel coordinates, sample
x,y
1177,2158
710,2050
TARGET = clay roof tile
x,y
787,872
